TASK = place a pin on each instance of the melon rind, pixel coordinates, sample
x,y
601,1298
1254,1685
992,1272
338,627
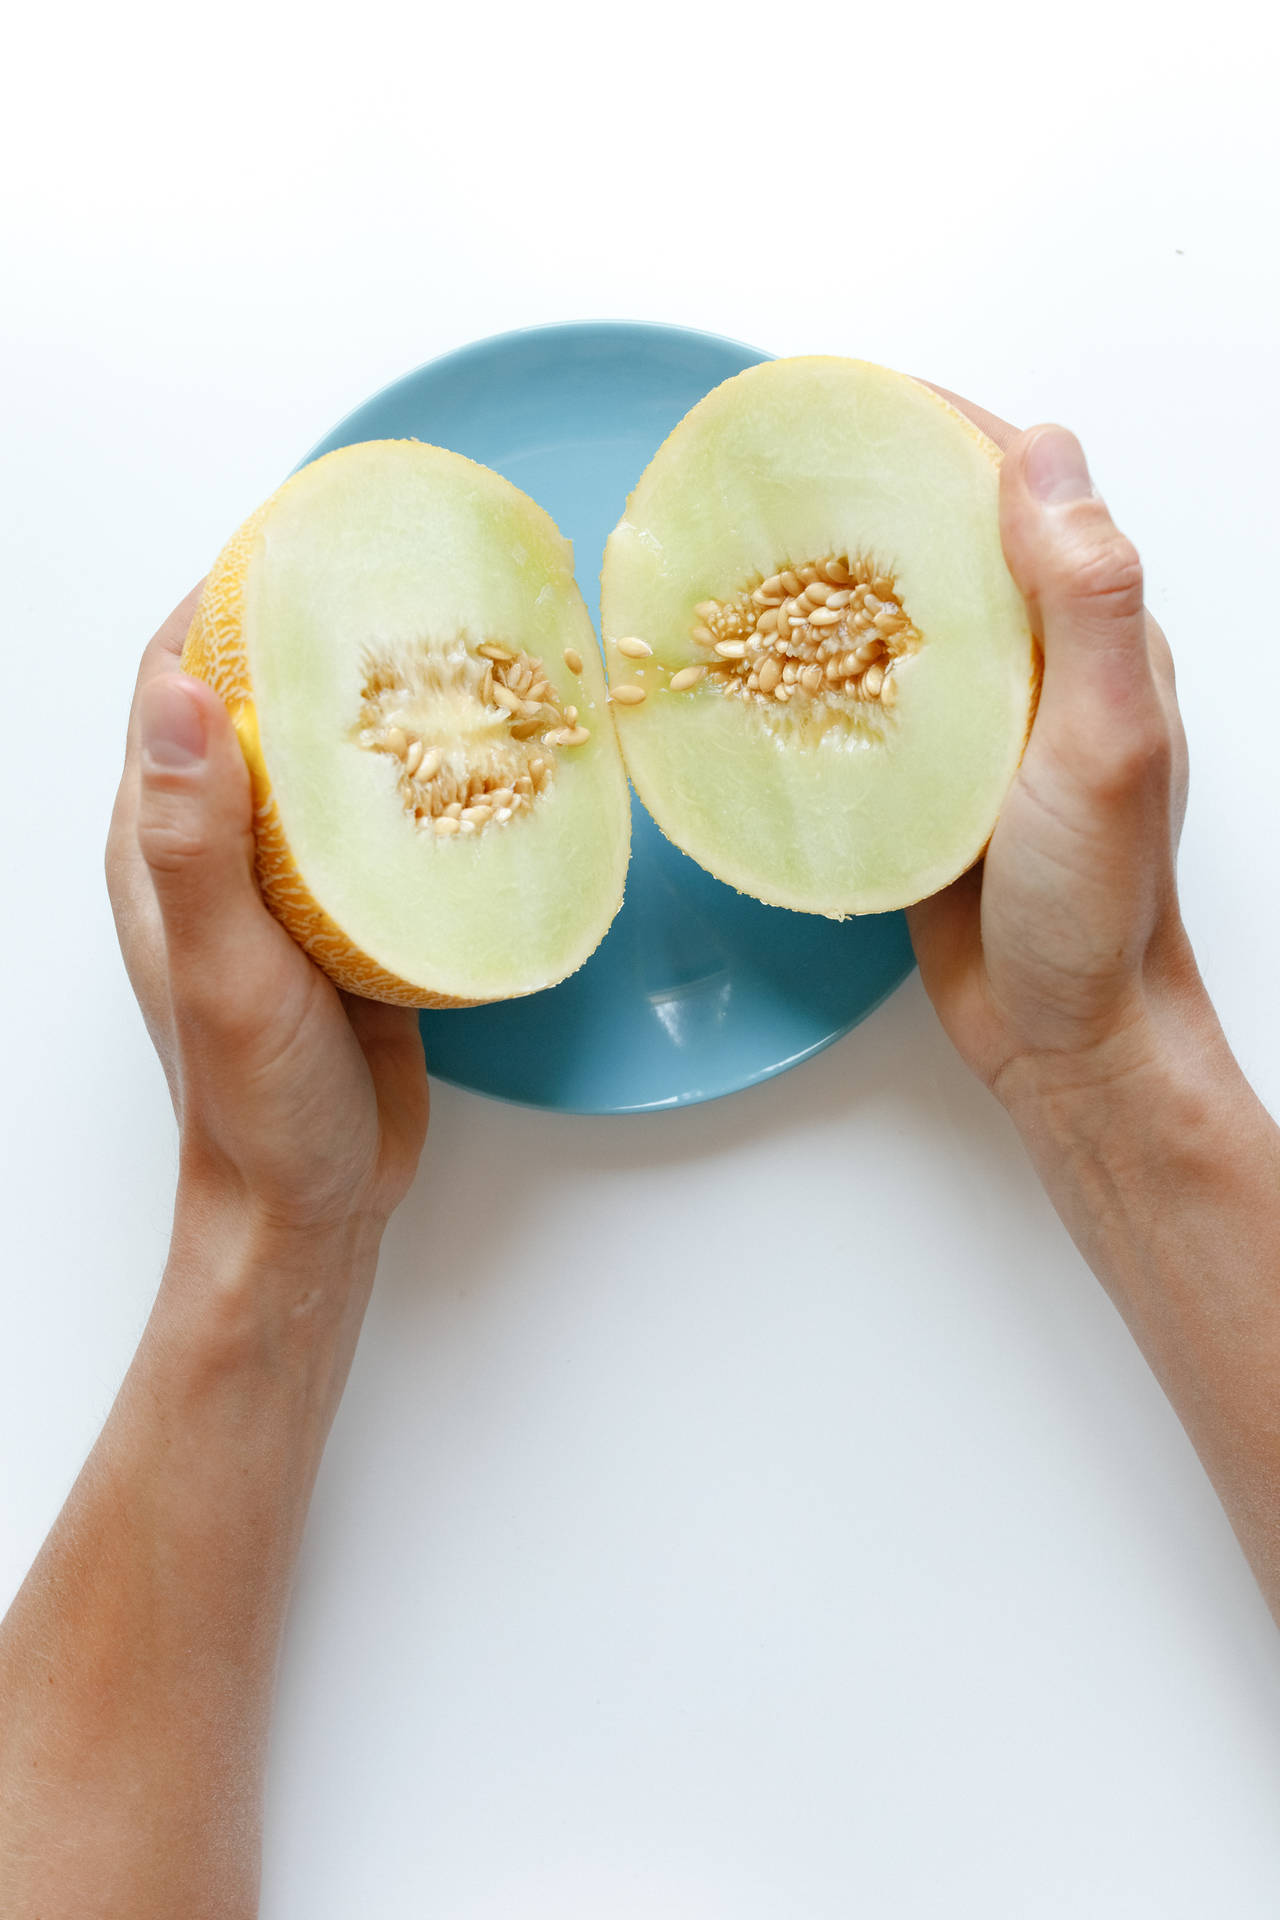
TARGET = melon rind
x,y
377,543
792,460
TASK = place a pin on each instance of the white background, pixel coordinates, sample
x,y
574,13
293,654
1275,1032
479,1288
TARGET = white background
x,y
760,1512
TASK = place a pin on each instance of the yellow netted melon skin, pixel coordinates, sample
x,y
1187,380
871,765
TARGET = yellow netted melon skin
x,y
787,462
214,651
217,650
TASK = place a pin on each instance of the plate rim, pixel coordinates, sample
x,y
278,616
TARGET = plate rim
x,y
563,332
508,337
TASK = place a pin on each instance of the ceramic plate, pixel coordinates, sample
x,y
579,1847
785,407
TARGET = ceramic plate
x,y
695,991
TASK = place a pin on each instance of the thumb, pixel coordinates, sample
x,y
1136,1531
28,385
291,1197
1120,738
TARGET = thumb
x,y
1082,581
195,832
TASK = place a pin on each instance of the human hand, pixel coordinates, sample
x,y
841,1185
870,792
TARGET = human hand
x,y
307,1104
1061,958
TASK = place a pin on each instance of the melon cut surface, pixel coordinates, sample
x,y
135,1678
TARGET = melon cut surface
x,y
842,675
441,816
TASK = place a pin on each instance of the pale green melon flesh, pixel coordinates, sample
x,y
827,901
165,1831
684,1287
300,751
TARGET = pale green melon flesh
x,y
788,463
396,546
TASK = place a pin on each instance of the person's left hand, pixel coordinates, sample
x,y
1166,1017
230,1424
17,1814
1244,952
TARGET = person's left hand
x,y
307,1104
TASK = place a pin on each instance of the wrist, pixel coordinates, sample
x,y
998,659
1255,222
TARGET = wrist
x,y
1161,1090
218,1214
242,1289
1163,1043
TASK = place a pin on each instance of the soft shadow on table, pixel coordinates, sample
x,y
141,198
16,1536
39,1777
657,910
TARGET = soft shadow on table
x,y
895,1047
464,1226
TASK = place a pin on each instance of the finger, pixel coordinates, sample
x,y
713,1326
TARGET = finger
x,y
126,873
989,423
946,935
1161,656
133,901
194,833
1082,581
1162,667
162,653
390,1040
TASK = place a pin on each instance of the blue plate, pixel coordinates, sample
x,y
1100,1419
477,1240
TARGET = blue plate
x,y
695,990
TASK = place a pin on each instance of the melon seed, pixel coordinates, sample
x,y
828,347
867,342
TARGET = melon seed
x,y
810,631
492,774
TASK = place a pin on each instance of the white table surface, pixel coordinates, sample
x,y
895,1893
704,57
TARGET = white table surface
x,y
762,1514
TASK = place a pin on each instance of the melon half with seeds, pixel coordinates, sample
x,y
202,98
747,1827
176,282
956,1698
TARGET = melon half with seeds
x,y
441,815
823,673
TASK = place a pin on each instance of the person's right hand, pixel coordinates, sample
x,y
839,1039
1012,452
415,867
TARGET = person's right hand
x,y
1061,958
305,1105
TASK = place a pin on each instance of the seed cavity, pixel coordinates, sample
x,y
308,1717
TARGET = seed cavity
x,y
826,634
468,728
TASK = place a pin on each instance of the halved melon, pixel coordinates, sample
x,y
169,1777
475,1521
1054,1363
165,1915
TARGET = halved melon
x,y
823,673
441,812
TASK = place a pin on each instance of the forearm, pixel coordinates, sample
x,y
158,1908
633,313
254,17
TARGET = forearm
x,y
1168,1178
137,1663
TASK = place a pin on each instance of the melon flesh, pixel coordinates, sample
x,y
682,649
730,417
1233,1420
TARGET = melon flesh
x,y
357,598
826,804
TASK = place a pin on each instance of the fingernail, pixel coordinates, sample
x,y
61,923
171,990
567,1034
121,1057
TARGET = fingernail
x,y
1056,469
171,725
